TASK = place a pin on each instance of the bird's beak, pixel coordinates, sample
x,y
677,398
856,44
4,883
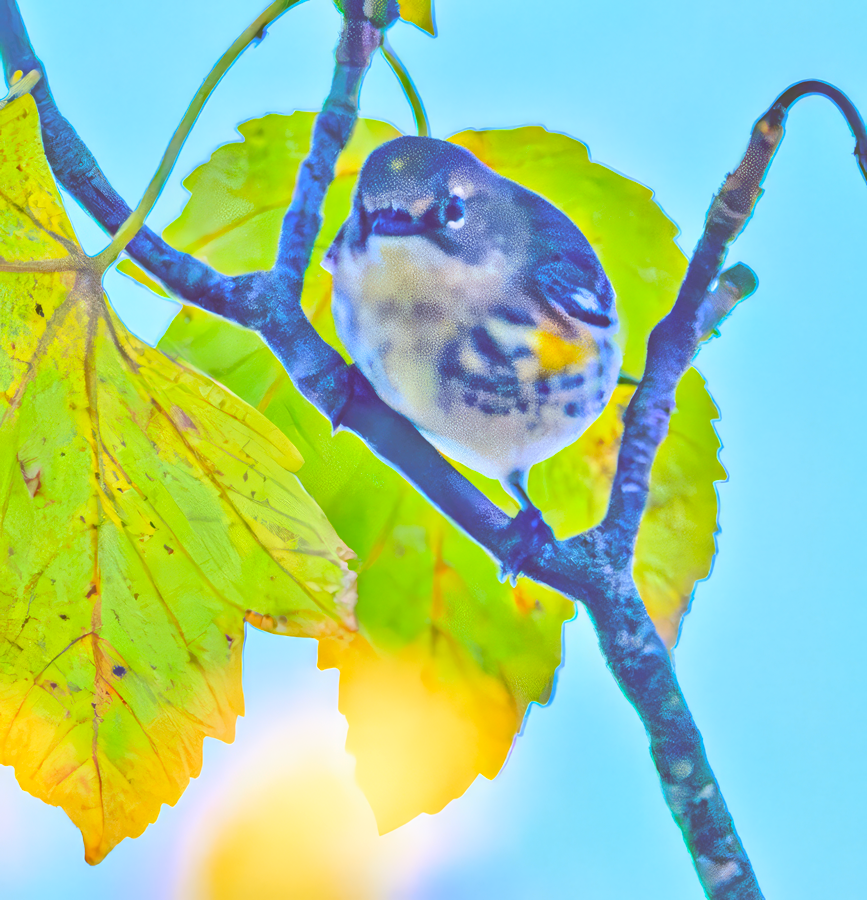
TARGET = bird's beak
x,y
395,222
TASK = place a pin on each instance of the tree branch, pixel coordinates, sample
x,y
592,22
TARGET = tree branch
x,y
594,567
674,341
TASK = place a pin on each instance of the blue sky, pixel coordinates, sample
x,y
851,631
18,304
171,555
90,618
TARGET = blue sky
x,y
770,655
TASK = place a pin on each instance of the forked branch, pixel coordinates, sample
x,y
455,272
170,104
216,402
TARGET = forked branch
x,y
674,341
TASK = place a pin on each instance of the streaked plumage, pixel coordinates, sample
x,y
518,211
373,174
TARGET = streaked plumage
x,y
474,307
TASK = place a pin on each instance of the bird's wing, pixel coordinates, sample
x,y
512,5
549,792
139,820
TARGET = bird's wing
x,y
564,275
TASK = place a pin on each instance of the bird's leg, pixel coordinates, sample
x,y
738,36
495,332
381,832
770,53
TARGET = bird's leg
x,y
527,533
516,485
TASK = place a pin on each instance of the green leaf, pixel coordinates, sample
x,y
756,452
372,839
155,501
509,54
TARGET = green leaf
x,y
437,687
131,270
145,513
676,543
436,684
634,240
450,657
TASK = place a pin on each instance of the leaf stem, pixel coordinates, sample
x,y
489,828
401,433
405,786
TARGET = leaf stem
x,y
422,126
252,34
75,167
65,264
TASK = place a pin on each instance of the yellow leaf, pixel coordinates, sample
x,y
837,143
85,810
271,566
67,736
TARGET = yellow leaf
x,y
144,513
420,13
425,721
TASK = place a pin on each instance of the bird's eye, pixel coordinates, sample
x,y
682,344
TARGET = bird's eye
x,y
455,212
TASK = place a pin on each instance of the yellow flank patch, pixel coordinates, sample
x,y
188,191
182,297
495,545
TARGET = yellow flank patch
x,y
555,353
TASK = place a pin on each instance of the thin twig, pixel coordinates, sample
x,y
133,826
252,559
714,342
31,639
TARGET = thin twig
x,y
422,126
250,35
843,103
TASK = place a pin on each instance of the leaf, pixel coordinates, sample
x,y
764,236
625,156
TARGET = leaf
x,y
448,659
466,661
144,510
131,270
420,13
676,545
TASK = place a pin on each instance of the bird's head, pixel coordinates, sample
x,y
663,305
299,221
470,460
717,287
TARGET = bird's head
x,y
423,186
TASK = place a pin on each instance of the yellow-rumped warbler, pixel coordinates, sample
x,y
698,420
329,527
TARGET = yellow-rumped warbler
x,y
474,307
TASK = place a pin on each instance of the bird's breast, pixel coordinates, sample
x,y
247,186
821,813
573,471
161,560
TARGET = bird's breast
x,y
463,353
401,303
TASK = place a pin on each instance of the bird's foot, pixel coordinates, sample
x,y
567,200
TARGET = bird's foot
x,y
526,536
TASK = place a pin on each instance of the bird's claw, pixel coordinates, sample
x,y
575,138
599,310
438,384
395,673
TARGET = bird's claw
x,y
525,537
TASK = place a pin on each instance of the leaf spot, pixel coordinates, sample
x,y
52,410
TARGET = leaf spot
x,y
119,671
168,549
32,478
92,591
182,420
39,310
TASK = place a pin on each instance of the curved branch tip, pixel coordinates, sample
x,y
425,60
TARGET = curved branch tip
x,y
808,87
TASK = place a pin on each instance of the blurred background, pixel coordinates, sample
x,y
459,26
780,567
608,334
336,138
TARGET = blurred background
x,y
771,655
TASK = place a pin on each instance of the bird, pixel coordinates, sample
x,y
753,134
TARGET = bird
x,y
474,307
